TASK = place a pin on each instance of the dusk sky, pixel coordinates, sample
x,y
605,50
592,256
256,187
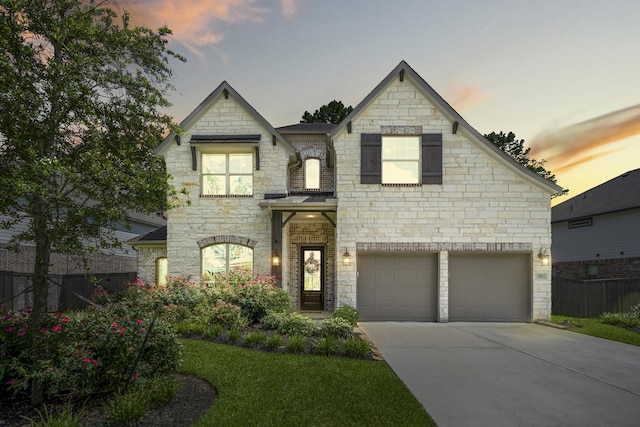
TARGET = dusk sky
x,y
563,75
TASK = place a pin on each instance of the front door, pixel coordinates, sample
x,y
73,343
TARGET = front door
x,y
312,278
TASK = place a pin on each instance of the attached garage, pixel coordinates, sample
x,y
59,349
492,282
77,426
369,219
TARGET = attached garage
x,y
490,287
393,286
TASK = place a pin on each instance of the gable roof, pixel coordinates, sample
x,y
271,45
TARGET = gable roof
x,y
618,194
155,237
307,128
406,71
225,90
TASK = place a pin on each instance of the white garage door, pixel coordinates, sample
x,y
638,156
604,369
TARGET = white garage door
x,y
489,287
397,287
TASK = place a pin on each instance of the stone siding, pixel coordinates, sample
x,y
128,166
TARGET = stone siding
x,y
215,216
147,256
481,202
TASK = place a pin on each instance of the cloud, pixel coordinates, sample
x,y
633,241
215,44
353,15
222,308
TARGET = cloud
x,y
197,23
465,97
582,142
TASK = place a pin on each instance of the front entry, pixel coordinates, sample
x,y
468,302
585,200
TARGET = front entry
x,y
312,278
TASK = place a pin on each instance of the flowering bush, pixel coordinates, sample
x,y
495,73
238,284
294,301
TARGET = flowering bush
x,y
89,351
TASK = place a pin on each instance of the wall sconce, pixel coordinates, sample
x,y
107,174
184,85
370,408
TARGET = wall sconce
x,y
544,256
275,260
346,258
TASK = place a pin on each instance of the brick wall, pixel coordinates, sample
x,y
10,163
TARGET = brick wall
x,y
310,146
621,268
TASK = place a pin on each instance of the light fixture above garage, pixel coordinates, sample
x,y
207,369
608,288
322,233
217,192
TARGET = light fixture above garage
x,y
346,258
544,256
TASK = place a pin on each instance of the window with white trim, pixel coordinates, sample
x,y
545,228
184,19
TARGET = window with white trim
x,y
401,159
161,271
312,174
227,174
223,257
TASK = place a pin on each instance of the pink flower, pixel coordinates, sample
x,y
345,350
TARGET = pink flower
x,y
121,331
95,362
9,328
86,360
114,325
58,314
65,319
11,382
56,328
43,330
134,376
139,322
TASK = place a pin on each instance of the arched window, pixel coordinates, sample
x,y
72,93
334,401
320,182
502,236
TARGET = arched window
x,y
223,257
312,174
161,271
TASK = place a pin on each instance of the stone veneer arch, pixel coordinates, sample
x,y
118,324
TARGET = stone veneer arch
x,y
227,238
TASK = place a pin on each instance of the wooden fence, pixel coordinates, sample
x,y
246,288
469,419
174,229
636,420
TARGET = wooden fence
x,y
591,298
68,292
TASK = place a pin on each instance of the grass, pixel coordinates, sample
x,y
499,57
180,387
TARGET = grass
x,y
596,328
266,389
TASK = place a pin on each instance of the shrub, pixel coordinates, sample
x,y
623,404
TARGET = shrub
x,y
255,339
296,344
627,319
213,332
126,409
297,324
87,352
63,418
274,342
635,311
273,320
326,346
348,313
337,326
355,347
234,334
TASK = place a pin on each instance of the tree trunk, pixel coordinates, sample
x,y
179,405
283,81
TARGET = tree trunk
x,y
40,298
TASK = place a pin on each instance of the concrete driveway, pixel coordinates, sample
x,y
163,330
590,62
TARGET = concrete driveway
x,y
512,374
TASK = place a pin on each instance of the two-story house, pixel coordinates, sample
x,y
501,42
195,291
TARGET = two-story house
x,y
403,210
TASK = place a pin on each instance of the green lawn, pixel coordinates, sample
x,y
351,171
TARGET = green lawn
x,y
596,328
265,389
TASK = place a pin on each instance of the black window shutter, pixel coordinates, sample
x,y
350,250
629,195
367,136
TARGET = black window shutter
x,y
432,158
371,158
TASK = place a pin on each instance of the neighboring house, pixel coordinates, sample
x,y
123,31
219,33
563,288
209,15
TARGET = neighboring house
x,y
403,210
596,234
117,260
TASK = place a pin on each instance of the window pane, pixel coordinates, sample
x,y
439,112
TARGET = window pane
x,y
214,259
241,163
400,148
241,185
214,163
312,174
240,256
400,173
161,271
213,185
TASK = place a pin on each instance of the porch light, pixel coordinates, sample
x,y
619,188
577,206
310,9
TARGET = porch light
x,y
346,258
275,260
544,256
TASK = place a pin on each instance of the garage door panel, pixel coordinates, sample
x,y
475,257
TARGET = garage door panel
x,y
397,287
489,287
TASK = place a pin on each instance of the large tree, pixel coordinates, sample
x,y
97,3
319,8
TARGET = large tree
x,y
79,120
333,112
514,147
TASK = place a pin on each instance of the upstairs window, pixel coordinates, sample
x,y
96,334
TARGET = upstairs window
x,y
227,174
312,174
400,160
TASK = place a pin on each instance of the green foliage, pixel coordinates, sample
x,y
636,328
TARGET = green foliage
x,y
273,320
627,319
515,149
333,112
327,346
596,328
274,342
161,389
80,116
337,327
88,352
355,347
63,418
255,339
348,313
213,332
126,409
234,334
297,324
296,344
